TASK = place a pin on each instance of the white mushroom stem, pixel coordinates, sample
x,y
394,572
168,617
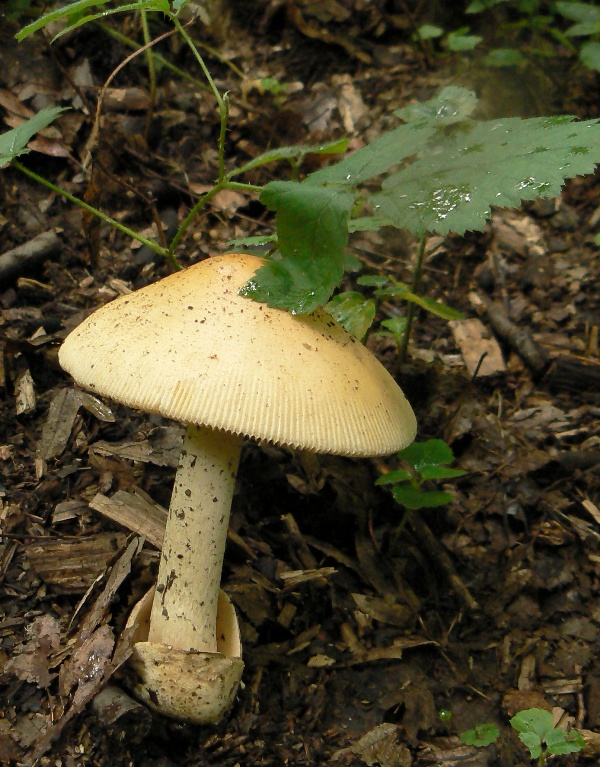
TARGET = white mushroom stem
x,y
184,611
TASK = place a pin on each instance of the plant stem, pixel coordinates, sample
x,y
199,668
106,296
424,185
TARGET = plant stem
x,y
151,74
219,187
152,244
410,312
221,102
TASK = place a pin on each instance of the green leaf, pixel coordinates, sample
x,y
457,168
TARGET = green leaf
x,y
396,326
477,6
533,743
428,32
411,498
440,472
450,105
471,166
482,735
375,158
375,280
394,477
589,54
14,142
295,153
559,742
433,452
312,231
505,57
252,242
459,41
533,720
353,311
368,223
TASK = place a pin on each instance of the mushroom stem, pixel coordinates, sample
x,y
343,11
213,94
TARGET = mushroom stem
x,y
184,611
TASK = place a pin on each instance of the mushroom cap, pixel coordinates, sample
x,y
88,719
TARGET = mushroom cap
x,y
191,348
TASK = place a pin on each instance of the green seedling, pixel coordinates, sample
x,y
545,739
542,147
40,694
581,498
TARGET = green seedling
x,y
537,729
438,171
481,735
423,462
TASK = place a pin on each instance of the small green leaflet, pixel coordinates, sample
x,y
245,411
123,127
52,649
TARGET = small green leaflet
x,y
312,231
353,311
451,105
14,142
293,153
471,166
482,735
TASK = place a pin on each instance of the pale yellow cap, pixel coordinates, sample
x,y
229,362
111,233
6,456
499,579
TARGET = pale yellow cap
x,y
192,349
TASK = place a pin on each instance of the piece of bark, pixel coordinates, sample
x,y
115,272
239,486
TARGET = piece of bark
x,y
72,565
573,374
480,350
26,257
135,511
518,338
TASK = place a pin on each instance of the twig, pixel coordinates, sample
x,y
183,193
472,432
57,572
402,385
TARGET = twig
x,y
25,257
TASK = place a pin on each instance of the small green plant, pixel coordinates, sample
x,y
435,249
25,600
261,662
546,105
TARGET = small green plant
x,y
537,729
481,735
423,462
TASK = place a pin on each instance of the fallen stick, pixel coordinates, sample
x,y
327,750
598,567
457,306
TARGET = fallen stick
x,y
519,339
22,259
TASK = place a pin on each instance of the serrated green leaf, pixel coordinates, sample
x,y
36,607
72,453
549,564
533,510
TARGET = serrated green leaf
x,y
312,232
252,242
589,54
440,472
411,498
394,477
353,312
368,224
450,105
375,158
292,153
480,736
14,142
433,452
472,166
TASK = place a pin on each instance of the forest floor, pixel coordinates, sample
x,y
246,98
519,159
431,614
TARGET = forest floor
x,y
357,640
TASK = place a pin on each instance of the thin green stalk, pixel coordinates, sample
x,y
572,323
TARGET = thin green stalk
x,y
410,312
151,74
152,244
221,102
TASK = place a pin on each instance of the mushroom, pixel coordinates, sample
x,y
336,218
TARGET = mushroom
x,y
192,349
